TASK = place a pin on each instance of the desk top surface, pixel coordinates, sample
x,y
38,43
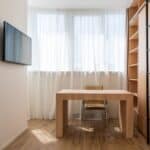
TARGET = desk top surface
x,y
77,91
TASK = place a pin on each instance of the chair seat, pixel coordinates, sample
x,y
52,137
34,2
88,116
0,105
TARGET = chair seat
x,y
94,102
94,106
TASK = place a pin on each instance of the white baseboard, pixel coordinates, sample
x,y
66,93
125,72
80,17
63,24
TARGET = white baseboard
x,y
11,140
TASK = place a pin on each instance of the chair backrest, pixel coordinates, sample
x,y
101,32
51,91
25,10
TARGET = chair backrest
x,y
92,87
94,101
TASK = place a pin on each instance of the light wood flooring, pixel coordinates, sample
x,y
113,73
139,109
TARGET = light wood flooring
x,y
87,135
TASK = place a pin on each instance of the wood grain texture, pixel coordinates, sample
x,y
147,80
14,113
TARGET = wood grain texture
x,y
94,94
137,59
87,135
126,121
142,122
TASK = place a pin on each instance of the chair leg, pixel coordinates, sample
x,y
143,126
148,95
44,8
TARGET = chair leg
x,y
106,117
82,113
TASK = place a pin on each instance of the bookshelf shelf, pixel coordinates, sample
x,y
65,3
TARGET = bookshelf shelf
x,y
137,8
133,65
134,36
133,80
135,50
135,94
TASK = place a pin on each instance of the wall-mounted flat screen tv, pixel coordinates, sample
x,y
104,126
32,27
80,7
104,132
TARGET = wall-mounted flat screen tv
x,y
17,46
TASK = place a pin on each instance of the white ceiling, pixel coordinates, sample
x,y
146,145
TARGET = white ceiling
x,y
80,3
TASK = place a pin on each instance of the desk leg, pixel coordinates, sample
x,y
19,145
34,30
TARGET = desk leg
x,y
129,118
65,109
122,116
126,118
61,116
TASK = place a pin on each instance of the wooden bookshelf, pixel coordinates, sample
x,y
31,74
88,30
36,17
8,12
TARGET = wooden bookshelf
x,y
133,49
133,44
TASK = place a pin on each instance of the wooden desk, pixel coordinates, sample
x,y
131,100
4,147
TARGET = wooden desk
x,y
124,97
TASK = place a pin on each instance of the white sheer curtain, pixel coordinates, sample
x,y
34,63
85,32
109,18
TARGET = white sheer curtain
x,y
72,49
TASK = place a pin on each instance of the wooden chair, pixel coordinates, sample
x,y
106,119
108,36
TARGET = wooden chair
x,y
93,105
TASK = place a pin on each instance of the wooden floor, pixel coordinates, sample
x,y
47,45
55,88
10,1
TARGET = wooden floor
x,y
87,135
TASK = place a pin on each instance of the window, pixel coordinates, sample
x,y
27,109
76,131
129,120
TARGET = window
x,y
78,40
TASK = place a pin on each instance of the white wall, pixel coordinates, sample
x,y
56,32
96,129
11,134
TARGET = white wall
x,y
13,89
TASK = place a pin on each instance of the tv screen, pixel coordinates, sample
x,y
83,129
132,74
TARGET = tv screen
x,y
17,46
